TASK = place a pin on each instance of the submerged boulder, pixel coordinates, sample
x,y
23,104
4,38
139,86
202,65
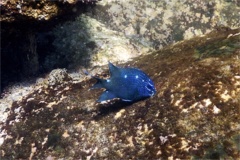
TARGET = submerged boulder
x,y
194,114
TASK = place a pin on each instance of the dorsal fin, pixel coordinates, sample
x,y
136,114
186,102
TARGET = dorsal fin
x,y
112,69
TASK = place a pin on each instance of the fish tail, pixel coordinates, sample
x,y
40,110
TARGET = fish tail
x,y
89,74
99,84
86,72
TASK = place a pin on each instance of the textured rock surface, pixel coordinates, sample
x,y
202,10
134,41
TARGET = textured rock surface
x,y
26,38
88,42
159,23
109,30
120,30
17,10
195,113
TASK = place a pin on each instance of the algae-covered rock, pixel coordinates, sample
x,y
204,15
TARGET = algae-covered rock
x,y
15,10
194,114
109,30
120,30
159,23
86,41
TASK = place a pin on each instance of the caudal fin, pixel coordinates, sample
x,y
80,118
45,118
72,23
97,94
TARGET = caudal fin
x,y
99,83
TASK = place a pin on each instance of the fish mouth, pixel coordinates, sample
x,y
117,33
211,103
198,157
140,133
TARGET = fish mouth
x,y
153,93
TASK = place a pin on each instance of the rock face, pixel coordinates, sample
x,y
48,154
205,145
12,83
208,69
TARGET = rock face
x,y
16,10
38,36
26,34
159,23
194,114
120,30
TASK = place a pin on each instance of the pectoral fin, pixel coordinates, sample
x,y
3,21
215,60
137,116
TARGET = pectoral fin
x,y
106,96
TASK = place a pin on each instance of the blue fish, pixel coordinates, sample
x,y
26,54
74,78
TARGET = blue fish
x,y
128,84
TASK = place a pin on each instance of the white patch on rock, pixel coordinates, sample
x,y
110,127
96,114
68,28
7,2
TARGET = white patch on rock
x,y
216,110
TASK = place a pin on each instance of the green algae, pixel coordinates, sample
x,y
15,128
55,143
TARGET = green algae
x,y
222,47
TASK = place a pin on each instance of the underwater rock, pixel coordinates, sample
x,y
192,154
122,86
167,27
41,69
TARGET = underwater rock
x,y
193,115
88,42
26,38
15,10
160,23
109,27
133,28
58,77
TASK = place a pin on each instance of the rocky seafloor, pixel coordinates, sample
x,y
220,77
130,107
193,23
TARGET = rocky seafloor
x,y
193,115
39,36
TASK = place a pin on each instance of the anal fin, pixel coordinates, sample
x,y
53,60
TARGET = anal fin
x,y
126,100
